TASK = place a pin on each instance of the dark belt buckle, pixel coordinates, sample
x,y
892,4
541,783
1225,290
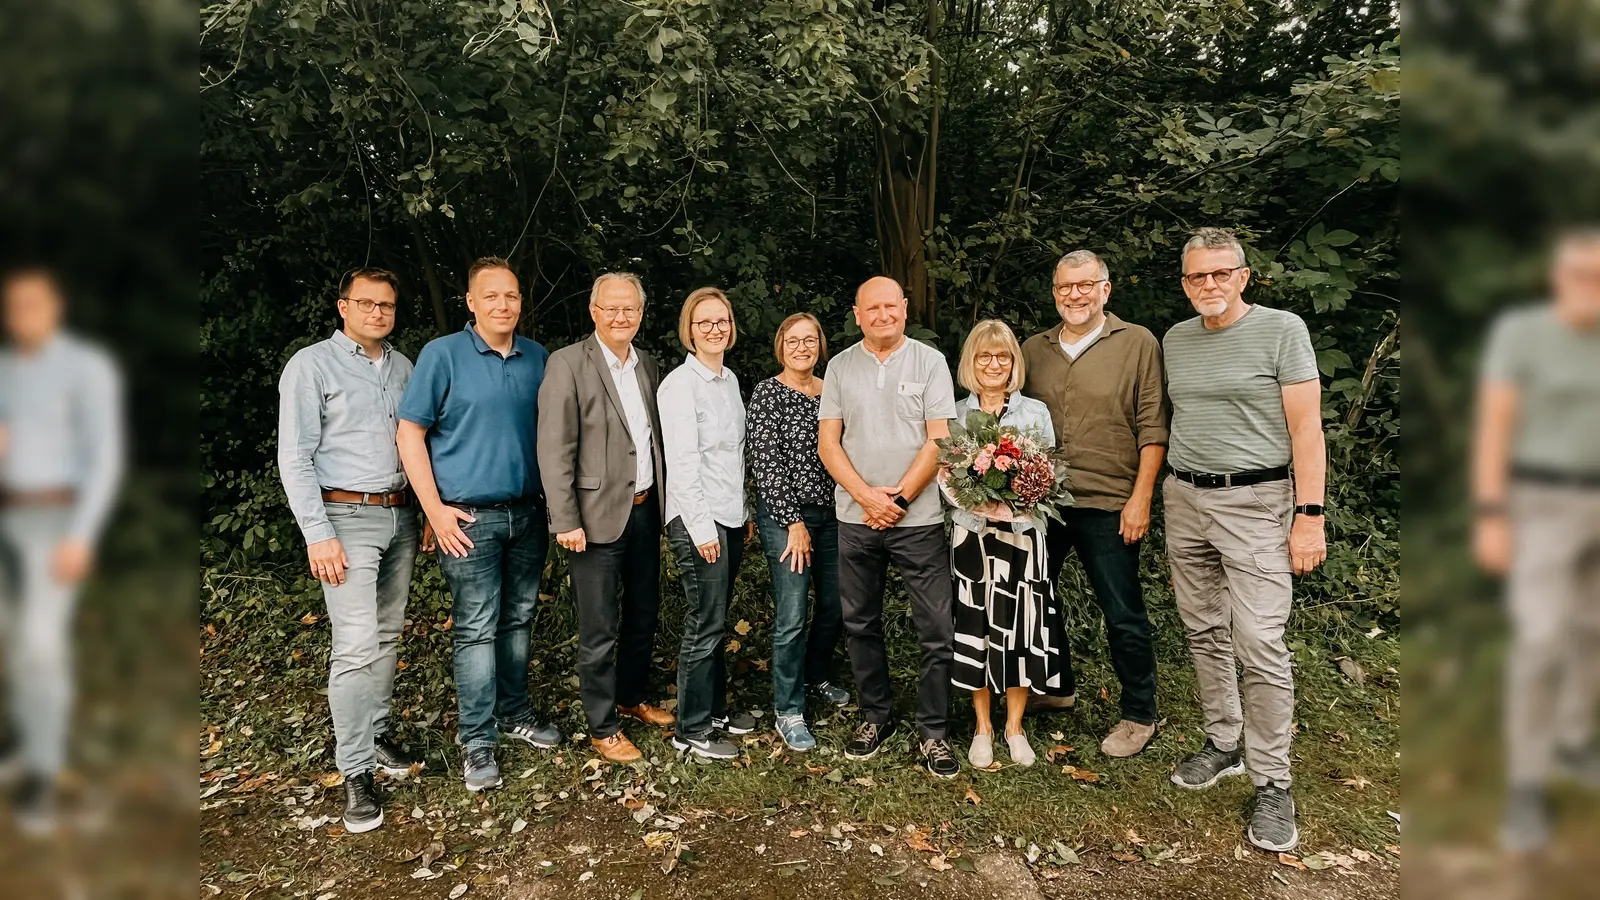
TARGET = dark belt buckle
x,y
1204,480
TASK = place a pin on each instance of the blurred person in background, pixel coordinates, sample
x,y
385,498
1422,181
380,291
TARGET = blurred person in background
x,y
342,475
1246,405
61,458
1536,485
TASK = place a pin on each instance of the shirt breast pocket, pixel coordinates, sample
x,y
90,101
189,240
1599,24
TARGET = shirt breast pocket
x,y
908,400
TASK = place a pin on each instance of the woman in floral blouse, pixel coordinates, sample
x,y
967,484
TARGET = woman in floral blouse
x,y
795,518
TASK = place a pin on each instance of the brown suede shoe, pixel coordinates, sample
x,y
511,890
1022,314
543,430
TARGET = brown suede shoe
x,y
1050,703
1126,739
617,748
650,715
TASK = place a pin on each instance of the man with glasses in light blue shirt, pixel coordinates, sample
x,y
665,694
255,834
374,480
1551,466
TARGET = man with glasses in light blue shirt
x,y
338,400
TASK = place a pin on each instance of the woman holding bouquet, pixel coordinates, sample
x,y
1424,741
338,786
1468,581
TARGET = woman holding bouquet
x,y
1007,621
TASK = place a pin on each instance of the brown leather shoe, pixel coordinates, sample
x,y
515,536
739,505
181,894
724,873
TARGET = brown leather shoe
x,y
1126,739
617,748
650,715
1050,702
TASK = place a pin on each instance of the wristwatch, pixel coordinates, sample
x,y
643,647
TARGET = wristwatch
x,y
1309,509
901,502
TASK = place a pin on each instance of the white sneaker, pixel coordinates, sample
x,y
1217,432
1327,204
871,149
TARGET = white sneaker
x,y
981,753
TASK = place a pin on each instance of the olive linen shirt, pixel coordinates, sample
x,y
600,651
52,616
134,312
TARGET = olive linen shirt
x,y
1107,405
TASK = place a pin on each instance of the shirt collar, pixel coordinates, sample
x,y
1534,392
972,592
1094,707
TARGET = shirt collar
x,y
700,368
904,343
617,365
348,345
1110,326
483,345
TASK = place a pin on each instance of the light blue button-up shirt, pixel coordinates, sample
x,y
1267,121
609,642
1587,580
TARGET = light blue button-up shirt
x,y
61,408
336,426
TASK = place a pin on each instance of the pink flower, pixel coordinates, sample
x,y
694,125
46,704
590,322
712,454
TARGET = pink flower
x,y
982,462
1004,463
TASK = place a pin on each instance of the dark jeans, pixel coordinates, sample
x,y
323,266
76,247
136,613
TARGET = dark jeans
x,y
923,556
494,589
1113,570
615,635
702,670
801,657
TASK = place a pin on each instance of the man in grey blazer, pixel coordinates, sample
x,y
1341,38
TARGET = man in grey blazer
x,y
600,460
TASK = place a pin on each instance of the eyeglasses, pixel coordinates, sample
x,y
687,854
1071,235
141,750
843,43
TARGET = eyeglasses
x,y
794,343
707,326
613,313
1067,289
1222,276
985,360
367,306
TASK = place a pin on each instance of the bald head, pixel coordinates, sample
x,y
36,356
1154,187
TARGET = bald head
x,y
881,312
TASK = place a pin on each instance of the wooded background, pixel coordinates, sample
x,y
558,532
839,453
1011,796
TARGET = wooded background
x,y
785,151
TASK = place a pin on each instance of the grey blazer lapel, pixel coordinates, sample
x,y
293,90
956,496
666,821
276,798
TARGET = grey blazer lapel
x,y
598,358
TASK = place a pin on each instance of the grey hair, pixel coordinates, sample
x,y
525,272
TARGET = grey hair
x,y
629,277
1084,258
1581,236
1213,239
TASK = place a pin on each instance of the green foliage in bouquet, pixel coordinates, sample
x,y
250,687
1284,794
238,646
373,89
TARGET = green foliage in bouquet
x,y
983,463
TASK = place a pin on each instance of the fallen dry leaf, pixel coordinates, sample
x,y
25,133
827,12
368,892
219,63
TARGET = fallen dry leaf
x,y
733,646
331,779
1358,782
1057,752
1080,774
309,619
917,839
940,864
798,833
972,797
1124,856
742,629
1292,862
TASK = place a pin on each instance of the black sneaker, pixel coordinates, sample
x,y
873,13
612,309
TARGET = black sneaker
x,y
481,772
1204,769
1525,826
1272,821
734,722
532,732
33,806
868,738
706,747
393,758
362,810
831,693
938,757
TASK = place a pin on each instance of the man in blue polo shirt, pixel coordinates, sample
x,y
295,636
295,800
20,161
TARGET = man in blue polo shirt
x,y
466,438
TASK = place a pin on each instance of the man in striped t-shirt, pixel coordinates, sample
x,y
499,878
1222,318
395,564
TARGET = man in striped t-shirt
x,y
1246,403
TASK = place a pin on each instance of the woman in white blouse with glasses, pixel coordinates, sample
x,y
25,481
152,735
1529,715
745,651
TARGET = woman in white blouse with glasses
x,y
702,434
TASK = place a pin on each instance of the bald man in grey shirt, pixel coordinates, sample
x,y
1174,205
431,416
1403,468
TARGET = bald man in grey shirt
x,y
61,449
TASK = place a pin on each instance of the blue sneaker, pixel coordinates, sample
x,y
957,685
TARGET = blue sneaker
x,y
831,693
795,734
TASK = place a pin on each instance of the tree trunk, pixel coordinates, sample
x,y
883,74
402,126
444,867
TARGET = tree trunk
x,y
430,273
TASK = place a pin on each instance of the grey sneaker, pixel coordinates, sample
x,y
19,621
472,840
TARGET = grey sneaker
x,y
1204,769
705,747
795,734
481,771
1525,826
831,693
734,722
532,732
1272,821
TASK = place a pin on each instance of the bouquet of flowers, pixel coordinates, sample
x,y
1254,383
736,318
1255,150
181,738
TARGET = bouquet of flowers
x,y
1001,472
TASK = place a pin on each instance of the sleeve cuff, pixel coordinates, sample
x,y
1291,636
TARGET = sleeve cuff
x,y
701,531
322,531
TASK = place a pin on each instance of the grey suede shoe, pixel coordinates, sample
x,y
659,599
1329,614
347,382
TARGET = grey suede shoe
x,y
981,753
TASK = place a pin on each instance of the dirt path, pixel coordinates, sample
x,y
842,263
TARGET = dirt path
x,y
272,846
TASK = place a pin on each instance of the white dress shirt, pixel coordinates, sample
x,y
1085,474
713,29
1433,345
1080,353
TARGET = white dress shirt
x,y
634,410
1076,348
702,433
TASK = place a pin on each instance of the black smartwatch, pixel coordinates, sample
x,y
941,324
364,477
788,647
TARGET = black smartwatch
x,y
1309,509
901,502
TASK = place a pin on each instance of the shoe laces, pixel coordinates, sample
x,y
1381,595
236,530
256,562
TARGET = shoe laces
x,y
1273,802
791,721
480,757
867,732
938,749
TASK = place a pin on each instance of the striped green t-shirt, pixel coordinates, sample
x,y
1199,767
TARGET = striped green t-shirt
x,y
1226,387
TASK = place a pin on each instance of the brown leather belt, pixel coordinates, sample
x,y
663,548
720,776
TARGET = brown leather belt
x,y
398,498
641,496
47,497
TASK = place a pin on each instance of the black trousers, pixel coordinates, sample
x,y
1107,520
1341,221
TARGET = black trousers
x,y
1113,570
923,556
617,589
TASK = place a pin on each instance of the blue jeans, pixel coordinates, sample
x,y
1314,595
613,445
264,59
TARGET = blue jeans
x,y
800,658
495,590
702,672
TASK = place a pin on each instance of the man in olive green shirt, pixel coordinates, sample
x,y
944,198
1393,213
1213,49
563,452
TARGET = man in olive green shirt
x,y
1101,378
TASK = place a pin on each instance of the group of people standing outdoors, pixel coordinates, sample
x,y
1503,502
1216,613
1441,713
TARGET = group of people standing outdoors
x,y
502,445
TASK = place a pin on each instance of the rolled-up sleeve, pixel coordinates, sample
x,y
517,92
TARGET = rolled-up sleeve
x,y
1152,416
299,435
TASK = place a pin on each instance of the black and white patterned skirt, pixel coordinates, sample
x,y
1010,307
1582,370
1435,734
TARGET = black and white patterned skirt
x,y
1008,624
